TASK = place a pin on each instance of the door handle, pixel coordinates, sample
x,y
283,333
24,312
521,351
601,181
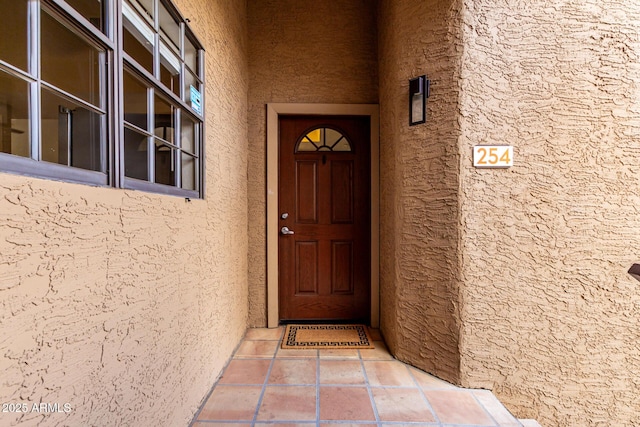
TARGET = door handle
x,y
285,230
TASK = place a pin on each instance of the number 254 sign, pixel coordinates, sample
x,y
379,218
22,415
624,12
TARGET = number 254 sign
x,y
493,156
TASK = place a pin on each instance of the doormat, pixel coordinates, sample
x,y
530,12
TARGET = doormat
x,y
327,337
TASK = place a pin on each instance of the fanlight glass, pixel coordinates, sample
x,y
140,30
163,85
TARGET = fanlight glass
x,y
323,139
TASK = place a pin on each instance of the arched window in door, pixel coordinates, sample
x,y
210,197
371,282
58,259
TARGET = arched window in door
x,y
323,139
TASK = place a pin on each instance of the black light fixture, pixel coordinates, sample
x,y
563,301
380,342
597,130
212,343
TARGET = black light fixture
x,y
418,94
634,271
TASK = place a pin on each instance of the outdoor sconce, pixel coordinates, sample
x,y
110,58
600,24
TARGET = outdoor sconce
x,y
634,271
418,94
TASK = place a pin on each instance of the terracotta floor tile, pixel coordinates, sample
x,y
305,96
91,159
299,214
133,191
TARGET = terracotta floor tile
x,y
245,372
290,397
412,425
496,409
341,372
346,404
339,354
388,373
429,382
379,353
265,424
231,403
348,425
299,372
282,403
263,334
208,424
458,407
401,404
256,349
295,353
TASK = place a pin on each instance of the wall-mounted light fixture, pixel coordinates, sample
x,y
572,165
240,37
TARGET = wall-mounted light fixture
x,y
634,271
418,94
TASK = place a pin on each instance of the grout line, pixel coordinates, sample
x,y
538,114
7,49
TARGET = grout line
x,y
498,400
424,396
483,407
369,391
318,390
252,358
264,386
311,423
216,382
422,423
268,384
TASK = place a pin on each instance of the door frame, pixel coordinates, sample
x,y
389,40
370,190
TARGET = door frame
x,y
274,110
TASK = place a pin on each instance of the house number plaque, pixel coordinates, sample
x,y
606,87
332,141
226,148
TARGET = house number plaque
x,y
493,156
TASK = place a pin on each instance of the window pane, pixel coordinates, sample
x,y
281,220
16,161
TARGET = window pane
x,y
190,55
70,62
136,159
188,172
169,69
336,141
146,6
14,115
71,134
189,80
188,134
14,33
135,101
138,38
165,168
324,139
90,9
169,26
164,123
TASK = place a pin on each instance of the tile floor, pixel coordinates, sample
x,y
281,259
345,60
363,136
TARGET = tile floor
x,y
264,385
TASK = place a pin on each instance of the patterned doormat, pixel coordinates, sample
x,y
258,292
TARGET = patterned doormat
x,y
327,336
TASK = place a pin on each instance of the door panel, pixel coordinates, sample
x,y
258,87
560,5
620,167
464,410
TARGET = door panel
x,y
307,268
342,267
342,192
324,190
306,191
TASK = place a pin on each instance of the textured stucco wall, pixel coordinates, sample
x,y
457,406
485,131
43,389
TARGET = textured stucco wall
x,y
125,304
419,185
300,51
550,317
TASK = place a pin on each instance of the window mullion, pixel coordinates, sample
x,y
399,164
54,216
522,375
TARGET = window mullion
x,y
156,56
156,13
108,134
109,21
34,87
117,105
177,141
73,98
151,143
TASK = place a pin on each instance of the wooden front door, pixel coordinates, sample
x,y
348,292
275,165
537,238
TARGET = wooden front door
x,y
324,218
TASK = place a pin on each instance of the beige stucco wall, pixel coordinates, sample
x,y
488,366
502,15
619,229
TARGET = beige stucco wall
x,y
550,317
300,51
419,185
515,280
125,304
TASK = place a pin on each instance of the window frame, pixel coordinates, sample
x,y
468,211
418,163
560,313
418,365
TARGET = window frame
x,y
110,40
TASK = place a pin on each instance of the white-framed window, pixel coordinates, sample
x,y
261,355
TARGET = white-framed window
x,y
103,92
